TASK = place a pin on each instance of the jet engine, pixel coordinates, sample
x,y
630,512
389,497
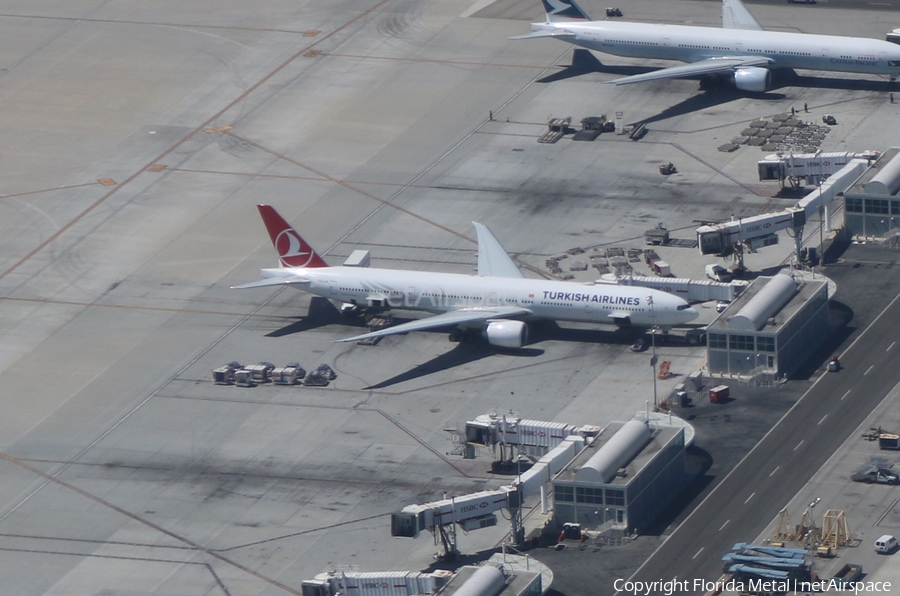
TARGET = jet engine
x,y
753,79
506,334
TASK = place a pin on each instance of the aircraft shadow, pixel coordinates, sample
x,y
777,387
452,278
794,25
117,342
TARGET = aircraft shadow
x,y
714,92
321,313
551,331
462,353
584,62
698,103
789,78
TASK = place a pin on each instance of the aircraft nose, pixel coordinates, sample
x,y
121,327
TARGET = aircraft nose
x,y
691,314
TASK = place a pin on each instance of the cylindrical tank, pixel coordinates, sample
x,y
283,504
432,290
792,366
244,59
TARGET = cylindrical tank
x,y
887,181
487,581
777,292
616,453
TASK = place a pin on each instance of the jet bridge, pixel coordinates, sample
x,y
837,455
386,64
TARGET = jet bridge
x,y
752,233
514,436
811,167
478,510
375,583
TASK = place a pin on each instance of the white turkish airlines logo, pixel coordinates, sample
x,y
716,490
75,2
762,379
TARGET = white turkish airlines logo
x,y
292,250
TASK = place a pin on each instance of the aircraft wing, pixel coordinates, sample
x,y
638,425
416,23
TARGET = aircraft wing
x,y
272,281
736,16
462,316
493,261
703,67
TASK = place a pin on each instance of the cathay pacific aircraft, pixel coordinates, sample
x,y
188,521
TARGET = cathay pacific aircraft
x,y
740,49
499,301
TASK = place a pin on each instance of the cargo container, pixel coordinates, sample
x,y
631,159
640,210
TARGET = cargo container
x,y
889,441
719,394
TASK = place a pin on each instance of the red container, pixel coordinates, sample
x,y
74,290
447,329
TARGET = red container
x,y
719,394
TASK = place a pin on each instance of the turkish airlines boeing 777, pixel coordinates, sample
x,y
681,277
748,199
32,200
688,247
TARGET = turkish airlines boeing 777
x,y
499,300
740,49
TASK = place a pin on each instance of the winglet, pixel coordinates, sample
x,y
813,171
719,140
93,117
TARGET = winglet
x,y
493,260
736,16
293,251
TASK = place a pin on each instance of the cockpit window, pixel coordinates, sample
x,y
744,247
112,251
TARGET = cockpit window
x,y
683,306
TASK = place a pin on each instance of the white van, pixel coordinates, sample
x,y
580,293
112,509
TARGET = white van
x,y
885,544
717,273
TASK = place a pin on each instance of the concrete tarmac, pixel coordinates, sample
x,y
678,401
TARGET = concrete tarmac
x,y
137,141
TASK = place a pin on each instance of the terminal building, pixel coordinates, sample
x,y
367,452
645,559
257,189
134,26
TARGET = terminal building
x,y
624,479
871,205
771,329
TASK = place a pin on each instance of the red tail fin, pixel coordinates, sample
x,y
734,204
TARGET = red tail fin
x,y
293,251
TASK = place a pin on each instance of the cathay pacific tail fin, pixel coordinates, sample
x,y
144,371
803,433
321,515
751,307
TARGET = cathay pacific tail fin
x,y
564,10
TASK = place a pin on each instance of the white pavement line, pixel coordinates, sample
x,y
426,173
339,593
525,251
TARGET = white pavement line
x,y
725,524
868,370
845,395
475,8
890,346
823,419
773,471
886,511
748,498
698,553
798,445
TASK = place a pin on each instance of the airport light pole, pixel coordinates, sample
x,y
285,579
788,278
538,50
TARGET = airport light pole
x,y
821,222
653,348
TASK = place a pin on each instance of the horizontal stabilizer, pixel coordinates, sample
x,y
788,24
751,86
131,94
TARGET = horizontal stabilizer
x,y
272,281
538,34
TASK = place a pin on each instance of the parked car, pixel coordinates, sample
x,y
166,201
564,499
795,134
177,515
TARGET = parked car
x,y
870,474
721,305
718,273
886,544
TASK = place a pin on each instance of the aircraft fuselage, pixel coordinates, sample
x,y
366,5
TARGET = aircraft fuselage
x,y
692,44
444,292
